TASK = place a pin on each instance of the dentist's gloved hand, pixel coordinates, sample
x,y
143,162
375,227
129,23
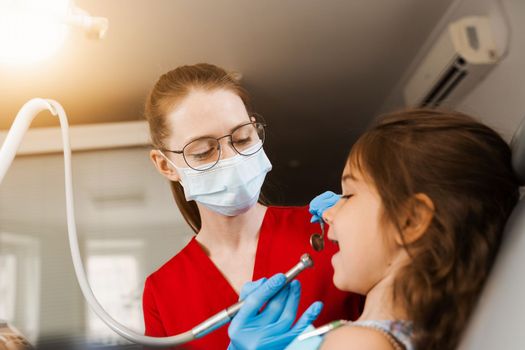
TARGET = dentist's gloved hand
x,y
319,204
272,327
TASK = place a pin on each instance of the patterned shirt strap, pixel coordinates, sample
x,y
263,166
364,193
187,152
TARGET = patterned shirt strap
x,y
398,333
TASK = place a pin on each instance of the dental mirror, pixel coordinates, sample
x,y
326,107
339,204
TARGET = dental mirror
x,y
317,240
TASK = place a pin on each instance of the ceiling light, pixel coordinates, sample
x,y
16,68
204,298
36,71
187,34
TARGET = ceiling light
x,y
32,30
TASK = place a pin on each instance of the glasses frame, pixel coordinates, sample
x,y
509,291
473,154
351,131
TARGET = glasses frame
x,y
257,119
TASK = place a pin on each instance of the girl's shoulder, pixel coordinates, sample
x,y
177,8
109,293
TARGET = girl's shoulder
x,y
381,335
356,338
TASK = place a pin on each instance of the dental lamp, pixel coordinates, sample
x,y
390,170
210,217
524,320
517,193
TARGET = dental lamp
x,y
7,153
93,27
32,30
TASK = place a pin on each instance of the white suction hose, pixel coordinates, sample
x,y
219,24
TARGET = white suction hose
x,y
7,153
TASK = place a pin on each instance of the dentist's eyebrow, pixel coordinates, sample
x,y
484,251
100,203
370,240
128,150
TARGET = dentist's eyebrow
x,y
213,136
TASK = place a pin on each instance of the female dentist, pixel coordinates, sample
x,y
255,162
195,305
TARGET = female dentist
x,y
209,145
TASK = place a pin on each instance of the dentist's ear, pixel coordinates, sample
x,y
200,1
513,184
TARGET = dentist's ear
x,y
163,166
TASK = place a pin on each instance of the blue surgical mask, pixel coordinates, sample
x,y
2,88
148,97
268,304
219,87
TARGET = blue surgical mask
x,y
231,187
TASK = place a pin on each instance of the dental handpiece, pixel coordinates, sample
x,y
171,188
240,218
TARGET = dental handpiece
x,y
227,314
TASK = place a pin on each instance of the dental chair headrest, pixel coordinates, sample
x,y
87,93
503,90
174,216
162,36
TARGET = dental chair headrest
x,y
518,152
497,322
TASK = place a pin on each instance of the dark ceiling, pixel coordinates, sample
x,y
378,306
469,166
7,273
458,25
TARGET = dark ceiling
x,y
317,70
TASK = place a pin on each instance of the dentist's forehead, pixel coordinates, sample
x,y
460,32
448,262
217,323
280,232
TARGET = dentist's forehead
x,y
206,113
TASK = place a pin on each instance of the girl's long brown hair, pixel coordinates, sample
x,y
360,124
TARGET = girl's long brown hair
x,y
169,90
465,169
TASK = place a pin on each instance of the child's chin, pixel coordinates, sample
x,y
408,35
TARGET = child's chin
x,y
338,283
343,284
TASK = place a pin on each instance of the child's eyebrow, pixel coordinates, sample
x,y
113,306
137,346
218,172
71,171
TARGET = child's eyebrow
x,y
348,177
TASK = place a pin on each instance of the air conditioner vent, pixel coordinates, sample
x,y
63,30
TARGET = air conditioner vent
x,y
449,81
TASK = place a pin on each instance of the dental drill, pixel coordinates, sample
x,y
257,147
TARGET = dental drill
x,y
227,314
7,153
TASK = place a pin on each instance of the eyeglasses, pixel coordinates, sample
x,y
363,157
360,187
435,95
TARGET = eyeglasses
x,y
205,152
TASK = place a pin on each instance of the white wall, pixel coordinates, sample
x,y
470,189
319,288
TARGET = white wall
x,y
499,100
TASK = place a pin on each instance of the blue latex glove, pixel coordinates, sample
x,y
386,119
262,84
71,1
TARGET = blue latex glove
x,y
319,204
272,327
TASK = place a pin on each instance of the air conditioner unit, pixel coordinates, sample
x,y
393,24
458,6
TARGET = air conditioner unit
x,y
463,54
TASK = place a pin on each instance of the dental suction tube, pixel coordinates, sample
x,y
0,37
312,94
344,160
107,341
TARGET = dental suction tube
x,y
7,153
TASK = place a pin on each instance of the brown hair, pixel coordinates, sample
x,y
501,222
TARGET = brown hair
x,y
465,169
169,90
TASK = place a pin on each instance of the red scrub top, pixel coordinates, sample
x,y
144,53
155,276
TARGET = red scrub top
x,y
189,288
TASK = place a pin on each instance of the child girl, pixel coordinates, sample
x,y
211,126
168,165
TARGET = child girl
x,y
425,196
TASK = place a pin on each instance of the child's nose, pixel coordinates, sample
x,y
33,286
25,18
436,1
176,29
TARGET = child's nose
x,y
328,215
330,234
